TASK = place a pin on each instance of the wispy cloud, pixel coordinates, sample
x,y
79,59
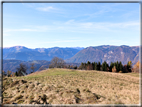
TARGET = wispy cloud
x,y
31,5
80,27
70,21
46,9
105,26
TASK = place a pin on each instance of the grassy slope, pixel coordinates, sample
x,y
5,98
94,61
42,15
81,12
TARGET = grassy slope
x,y
63,86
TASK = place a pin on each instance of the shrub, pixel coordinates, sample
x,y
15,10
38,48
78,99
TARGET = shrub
x,y
114,69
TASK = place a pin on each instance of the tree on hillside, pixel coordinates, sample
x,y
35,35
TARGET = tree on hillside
x,y
16,74
105,66
89,67
82,66
136,67
120,66
92,65
57,63
129,66
111,66
88,63
125,69
95,65
32,67
98,66
21,70
117,66
8,73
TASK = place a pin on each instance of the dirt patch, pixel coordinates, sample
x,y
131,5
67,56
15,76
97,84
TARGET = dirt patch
x,y
14,83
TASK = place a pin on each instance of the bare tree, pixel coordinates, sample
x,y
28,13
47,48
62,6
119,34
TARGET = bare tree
x,y
32,67
57,63
8,73
21,69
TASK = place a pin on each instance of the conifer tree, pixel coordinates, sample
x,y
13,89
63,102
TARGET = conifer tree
x,y
104,66
117,66
98,66
120,66
95,65
16,74
111,66
88,63
92,66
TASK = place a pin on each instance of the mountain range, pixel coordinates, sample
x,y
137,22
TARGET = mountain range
x,y
27,54
42,56
107,53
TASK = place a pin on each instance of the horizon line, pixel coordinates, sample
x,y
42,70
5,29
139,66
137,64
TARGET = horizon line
x,y
70,46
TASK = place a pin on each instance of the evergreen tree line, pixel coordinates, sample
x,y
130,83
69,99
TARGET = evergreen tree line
x,y
59,63
113,67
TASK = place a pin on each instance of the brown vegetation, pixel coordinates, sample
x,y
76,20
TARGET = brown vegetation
x,y
136,67
64,86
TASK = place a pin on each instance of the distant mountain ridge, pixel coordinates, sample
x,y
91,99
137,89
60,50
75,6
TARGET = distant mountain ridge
x,y
107,53
27,54
101,53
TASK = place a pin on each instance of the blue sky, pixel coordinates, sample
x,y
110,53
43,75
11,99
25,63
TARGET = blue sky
x,y
45,25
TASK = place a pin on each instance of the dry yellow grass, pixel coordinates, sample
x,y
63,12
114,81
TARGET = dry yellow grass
x,y
63,86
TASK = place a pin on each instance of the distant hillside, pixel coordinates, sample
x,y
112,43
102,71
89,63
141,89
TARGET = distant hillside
x,y
107,53
26,54
39,64
13,64
75,54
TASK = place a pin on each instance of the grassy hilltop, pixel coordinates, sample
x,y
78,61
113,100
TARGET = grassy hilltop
x,y
64,86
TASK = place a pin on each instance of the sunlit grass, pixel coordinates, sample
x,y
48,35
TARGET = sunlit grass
x,y
133,74
61,86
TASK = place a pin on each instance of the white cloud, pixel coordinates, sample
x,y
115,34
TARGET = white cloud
x,y
99,26
49,8
31,5
74,26
70,21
